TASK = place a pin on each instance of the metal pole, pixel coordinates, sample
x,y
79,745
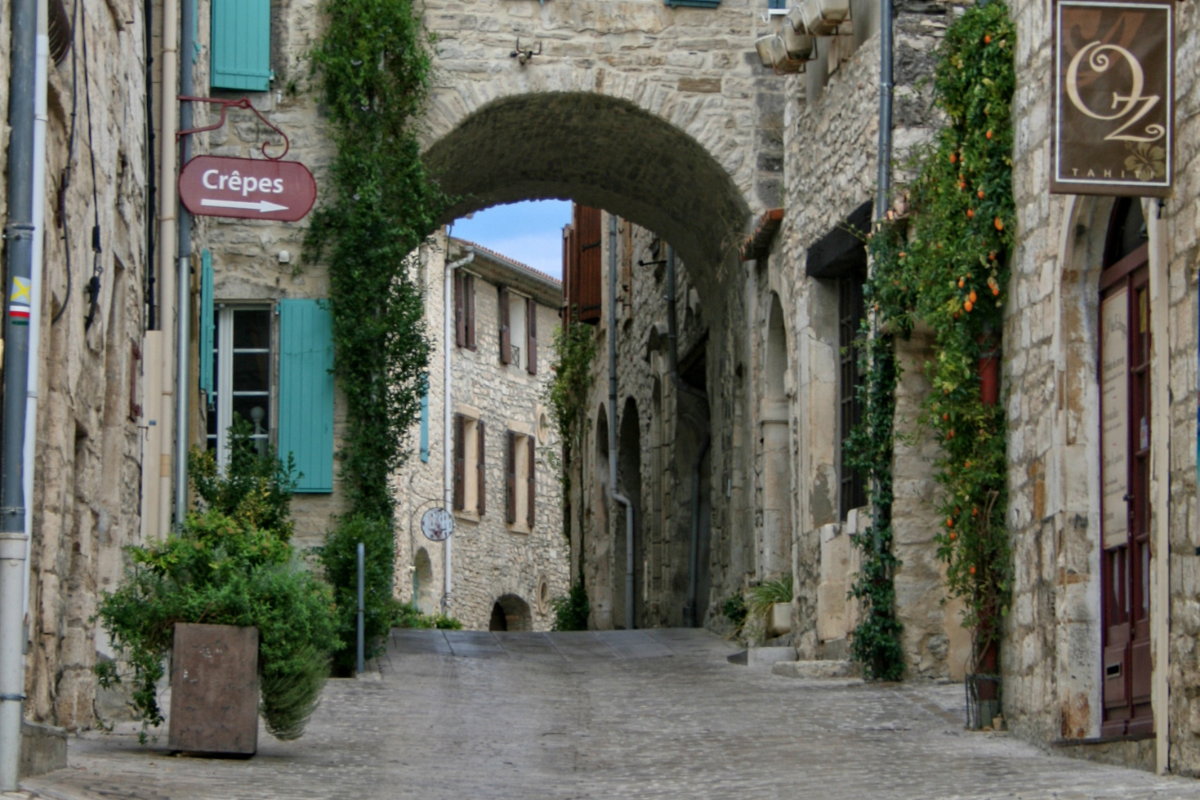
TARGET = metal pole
x,y
187,27
18,231
447,414
612,418
168,230
361,607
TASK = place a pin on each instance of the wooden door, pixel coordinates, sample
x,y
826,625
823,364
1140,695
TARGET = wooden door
x,y
1125,477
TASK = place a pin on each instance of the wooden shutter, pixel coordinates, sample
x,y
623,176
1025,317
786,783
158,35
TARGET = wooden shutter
x,y
587,242
460,312
532,482
469,302
241,45
480,470
460,462
505,330
568,273
531,335
306,391
207,325
510,479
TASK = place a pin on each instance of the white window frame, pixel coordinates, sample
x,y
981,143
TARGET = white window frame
x,y
223,363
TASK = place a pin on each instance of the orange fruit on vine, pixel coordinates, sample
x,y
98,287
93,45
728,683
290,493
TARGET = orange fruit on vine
x,y
988,134
972,570
960,283
945,417
974,512
995,290
980,194
971,297
949,522
953,158
987,38
999,224
968,305
953,536
970,213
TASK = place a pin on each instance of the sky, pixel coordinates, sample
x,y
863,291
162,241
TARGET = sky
x,y
529,232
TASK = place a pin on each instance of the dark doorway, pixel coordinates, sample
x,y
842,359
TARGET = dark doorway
x,y
498,622
1125,475
629,477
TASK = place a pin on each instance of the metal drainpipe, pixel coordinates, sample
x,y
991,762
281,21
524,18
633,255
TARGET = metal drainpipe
x,y
168,203
187,27
447,418
884,181
18,232
689,610
40,118
612,418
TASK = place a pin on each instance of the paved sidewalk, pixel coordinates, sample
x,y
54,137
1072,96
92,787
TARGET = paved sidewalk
x,y
647,714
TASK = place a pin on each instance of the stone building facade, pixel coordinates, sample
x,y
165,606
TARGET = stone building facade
x,y
508,561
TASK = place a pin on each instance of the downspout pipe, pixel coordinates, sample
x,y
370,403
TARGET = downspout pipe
x,y
447,416
884,183
168,248
689,614
18,230
187,29
612,418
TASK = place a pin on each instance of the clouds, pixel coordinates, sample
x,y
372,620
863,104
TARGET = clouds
x,y
529,232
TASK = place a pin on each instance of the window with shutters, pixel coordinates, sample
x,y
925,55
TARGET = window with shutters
x,y
241,45
851,312
518,330
464,309
240,375
520,482
470,486
582,247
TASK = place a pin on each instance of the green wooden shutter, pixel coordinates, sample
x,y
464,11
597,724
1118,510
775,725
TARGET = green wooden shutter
x,y
207,325
306,391
241,45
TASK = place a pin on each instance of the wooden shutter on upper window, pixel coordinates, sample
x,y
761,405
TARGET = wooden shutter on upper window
x,y
531,335
568,271
460,312
532,483
510,479
460,462
480,470
505,328
587,243
469,301
240,45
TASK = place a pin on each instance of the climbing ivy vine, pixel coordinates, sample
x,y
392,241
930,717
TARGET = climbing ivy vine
x,y
373,67
948,270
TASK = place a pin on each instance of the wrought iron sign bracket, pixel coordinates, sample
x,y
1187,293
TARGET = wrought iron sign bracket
x,y
225,105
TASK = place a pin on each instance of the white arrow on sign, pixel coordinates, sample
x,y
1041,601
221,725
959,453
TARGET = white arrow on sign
x,y
262,206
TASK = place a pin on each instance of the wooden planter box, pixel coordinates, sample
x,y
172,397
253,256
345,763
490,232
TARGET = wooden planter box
x,y
214,689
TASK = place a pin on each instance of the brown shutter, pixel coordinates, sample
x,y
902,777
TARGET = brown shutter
x,y
505,330
480,470
460,462
531,335
469,301
510,479
460,314
588,240
568,273
532,483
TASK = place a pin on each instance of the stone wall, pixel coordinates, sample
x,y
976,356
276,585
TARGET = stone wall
x,y
490,559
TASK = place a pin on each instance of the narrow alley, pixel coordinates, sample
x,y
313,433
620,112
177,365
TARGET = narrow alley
x,y
655,713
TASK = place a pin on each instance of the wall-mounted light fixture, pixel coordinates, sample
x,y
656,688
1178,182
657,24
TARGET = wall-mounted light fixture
x,y
523,57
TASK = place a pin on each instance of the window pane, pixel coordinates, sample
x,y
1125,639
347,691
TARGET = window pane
x,y
252,329
255,409
251,372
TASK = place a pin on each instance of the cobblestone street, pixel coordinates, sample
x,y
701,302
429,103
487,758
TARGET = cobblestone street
x,y
654,714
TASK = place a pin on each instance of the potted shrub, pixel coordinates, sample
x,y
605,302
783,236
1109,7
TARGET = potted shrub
x,y
230,599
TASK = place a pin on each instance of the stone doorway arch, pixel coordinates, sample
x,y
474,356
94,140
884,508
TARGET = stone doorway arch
x,y
510,613
423,589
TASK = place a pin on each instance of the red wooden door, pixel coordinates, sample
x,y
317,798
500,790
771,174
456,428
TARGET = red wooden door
x,y
1125,478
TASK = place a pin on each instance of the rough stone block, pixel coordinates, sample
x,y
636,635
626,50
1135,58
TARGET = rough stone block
x,y
214,689
43,749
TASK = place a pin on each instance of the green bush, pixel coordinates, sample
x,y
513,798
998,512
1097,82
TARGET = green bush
x,y
571,612
768,593
226,567
407,615
735,609
339,557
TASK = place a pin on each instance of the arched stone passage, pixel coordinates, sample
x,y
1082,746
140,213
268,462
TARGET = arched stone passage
x,y
423,593
775,533
603,152
511,613
629,477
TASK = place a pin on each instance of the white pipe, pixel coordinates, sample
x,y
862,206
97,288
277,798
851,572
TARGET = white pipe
x,y
612,419
167,260
447,418
40,119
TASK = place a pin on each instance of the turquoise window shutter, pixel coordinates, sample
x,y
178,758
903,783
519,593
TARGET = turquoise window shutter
x,y
241,45
306,391
207,325
425,426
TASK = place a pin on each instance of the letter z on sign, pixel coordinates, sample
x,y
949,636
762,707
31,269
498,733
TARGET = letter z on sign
x,y
246,188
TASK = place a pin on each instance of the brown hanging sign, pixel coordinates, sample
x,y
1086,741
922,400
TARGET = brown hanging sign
x,y
1114,109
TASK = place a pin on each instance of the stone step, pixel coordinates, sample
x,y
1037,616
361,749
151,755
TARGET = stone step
x,y
817,670
763,656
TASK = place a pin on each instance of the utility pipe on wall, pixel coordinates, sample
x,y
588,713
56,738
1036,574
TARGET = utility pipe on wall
x,y
612,418
187,27
447,414
18,231
167,250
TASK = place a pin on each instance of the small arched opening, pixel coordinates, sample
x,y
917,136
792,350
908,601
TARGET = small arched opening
x,y
775,535
629,477
510,613
423,594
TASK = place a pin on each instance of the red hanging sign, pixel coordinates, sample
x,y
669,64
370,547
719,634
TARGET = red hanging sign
x,y
247,188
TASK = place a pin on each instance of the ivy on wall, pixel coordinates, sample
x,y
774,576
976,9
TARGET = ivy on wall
x,y
948,270
373,64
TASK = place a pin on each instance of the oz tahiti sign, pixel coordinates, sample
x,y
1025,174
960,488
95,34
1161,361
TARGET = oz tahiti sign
x,y
1114,90
247,188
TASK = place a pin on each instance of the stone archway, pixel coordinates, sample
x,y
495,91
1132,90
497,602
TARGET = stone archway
x,y
775,533
510,613
423,589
